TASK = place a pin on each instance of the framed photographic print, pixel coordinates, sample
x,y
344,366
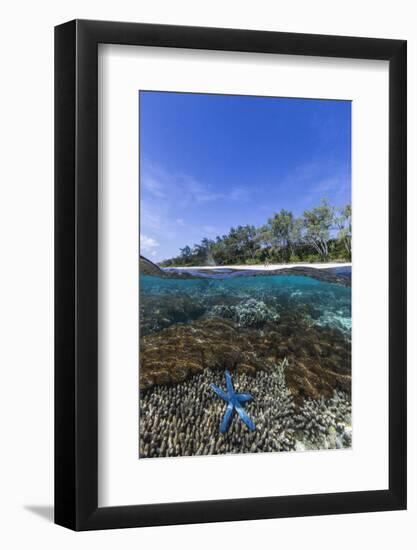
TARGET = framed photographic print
x,y
230,275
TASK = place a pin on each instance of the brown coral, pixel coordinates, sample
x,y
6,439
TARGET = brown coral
x,y
319,357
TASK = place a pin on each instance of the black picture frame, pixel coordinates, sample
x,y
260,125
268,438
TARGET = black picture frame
x,y
76,272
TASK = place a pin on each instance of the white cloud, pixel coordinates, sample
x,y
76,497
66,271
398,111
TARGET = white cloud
x,y
328,185
184,188
210,231
199,192
168,203
148,217
148,244
153,185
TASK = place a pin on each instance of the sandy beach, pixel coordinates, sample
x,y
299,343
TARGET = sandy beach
x,y
269,267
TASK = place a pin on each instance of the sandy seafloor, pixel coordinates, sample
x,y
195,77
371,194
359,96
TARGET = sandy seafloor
x,y
285,337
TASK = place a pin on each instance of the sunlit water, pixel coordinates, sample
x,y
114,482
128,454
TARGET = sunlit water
x,y
185,300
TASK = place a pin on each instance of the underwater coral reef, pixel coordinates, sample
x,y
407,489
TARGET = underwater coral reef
x,y
319,356
184,419
285,339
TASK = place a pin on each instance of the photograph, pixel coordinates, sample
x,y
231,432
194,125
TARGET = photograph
x,y
208,335
245,274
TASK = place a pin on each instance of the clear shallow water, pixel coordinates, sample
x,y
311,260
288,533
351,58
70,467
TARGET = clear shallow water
x,y
185,300
192,329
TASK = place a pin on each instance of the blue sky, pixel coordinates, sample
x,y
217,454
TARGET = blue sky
x,y
209,162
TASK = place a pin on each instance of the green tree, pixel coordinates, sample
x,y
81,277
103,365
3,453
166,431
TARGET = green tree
x,y
246,236
344,225
202,253
318,223
283,238
263,240
185,253
296,235
220,250
286,231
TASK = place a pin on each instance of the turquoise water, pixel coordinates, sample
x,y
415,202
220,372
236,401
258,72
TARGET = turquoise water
x,y
285,339
243,295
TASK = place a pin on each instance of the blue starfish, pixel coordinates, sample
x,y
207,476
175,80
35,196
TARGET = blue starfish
x,y
234,403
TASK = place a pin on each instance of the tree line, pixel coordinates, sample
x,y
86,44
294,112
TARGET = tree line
x,y
321,234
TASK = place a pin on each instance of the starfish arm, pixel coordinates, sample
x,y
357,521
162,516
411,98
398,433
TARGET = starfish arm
x,y
242,397
245,417
226,419
219,392
229,384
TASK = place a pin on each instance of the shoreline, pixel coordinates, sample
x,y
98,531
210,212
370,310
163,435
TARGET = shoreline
x,y
262,267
